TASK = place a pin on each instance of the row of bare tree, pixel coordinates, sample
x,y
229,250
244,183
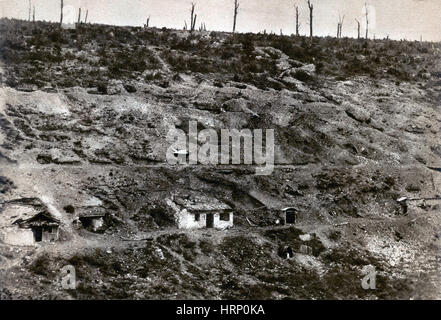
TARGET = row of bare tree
x,y
79,13
339,24
194,16
311,17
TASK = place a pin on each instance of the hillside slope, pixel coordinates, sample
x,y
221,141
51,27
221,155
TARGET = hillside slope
x,y
84,116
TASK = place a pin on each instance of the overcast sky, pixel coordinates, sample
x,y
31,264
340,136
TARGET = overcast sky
x,y
400,19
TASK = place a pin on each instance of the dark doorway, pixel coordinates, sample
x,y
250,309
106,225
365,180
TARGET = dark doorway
x,y
86,222
38,233
210,220
290,217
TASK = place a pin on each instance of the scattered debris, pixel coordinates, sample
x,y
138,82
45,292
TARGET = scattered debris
x,y
160,253
305,237
341,224
250,223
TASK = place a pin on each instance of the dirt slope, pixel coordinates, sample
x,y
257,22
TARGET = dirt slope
x,y
84,116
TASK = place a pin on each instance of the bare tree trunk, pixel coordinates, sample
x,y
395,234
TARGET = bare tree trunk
x,y
33,15
367,21
193,27
148,22
87,14
236,10
311,9
340,25
193,18
358,28
297,22
79,15
30,9
61,16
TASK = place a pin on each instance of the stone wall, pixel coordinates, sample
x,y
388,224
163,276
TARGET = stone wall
x,y
17,237
221,224
186,220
